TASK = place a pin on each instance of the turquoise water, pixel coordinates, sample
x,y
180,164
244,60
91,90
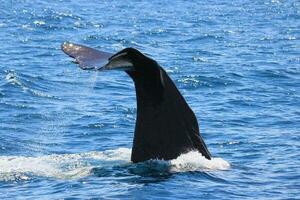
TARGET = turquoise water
x,y
67,133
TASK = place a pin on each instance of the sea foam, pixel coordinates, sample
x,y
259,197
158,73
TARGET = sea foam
x,y
74,166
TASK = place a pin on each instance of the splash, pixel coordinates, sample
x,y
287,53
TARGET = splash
x,y
194,161
74,166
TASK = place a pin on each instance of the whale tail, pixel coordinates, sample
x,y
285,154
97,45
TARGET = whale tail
x,y
87,58
166,126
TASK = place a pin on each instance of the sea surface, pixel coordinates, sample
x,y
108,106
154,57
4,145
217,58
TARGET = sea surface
x,y
66,133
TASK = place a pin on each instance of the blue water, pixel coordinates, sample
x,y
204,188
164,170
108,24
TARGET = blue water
x,y
67,133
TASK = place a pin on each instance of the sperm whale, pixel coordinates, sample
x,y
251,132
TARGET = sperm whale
x,y
165,125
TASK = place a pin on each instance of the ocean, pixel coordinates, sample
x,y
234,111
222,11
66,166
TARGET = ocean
x,y
66,133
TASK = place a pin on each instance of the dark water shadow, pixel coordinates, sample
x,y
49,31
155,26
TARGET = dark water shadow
x,y
146,172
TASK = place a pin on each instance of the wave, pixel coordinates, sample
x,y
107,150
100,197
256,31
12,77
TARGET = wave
x,y
75,166
13,78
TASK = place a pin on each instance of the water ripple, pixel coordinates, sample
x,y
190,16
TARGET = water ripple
x,y
236,63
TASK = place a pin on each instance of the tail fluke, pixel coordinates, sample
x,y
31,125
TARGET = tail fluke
x,y
86,57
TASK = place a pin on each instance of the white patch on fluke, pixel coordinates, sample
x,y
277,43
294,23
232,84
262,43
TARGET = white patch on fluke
x,y
119,55
73,166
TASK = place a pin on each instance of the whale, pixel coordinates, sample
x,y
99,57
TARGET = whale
x,y
166,126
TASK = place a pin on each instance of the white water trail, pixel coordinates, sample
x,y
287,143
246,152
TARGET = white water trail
x,y
74,166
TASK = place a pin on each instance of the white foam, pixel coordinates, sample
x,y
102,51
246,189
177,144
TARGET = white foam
x,y
194,161
73,166
39,22
62,166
